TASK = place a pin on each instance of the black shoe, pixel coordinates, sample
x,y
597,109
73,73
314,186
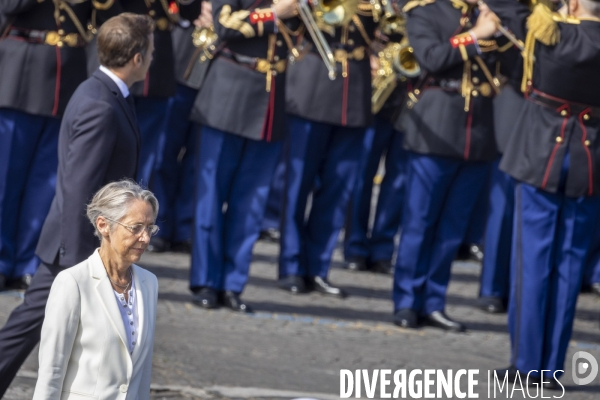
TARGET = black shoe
x,y
205,297
406,318
323,286
232,301
182,247
356,264
292,284
551,384
21,283
2,282
270,235
439,319
596,288
158,245
382,267
512,373
469,252
492,305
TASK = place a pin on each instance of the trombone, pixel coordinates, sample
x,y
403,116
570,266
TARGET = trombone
x,y
318,39
505,32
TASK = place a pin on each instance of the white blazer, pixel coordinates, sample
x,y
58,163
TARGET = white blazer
x,y
83,352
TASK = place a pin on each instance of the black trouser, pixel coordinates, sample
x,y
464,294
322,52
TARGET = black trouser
x,y
22,330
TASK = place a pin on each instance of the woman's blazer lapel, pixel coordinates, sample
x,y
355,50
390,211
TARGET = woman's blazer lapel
x,y
106,294
141,293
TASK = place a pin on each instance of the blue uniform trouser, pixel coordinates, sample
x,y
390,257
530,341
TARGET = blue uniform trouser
x,y
173,179
592,269
476,228
151,112
329,155
495,273
275,202
28,165
380,139
551,242
233,176
440,200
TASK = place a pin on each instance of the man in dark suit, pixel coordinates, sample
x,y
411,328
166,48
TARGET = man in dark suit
x,y
42,61
98,143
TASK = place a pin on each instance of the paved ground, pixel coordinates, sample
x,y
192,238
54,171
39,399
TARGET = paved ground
x,y
295,346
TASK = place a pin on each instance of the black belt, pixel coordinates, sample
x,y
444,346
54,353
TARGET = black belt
x,y
51,38
255,63
564,107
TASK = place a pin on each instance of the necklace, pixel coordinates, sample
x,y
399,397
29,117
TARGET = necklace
x,y
124,288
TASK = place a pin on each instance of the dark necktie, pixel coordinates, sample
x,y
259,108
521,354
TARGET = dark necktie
x,y
131,103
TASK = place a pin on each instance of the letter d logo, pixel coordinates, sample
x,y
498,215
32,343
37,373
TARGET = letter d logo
x,y
581,368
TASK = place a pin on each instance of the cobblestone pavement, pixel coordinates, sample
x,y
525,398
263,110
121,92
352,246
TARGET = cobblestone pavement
x,y
295,345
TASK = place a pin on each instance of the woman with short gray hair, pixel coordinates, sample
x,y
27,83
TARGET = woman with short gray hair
x,y
98,333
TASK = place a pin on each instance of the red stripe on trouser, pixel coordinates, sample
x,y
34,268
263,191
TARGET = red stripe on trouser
x,y
58,75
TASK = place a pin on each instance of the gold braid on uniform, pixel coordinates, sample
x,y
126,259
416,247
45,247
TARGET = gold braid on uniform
x,y
236,21
287,34
365,9
103,6
416,3
465,8
361,29
541,27
62,5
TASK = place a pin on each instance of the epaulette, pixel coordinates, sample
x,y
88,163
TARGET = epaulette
x,y
542,26
416,3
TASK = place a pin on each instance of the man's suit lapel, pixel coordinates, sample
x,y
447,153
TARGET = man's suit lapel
x,y
122,102
141,293
105,292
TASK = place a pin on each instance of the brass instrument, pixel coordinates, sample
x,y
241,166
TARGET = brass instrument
x,y
317,36
335,12
203,38
404,60
505,32
391,21
395,59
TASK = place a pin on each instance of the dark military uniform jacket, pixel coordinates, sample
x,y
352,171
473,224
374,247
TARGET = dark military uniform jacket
x,y
562,113
345,101
183,49
42,57
160,80
244,90
451,107
510,65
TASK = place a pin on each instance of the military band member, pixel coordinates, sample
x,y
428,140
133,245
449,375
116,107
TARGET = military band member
x,y
373,249
152,95
495,272
42,61
240,107
554,155
449,134
328,119
172,178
